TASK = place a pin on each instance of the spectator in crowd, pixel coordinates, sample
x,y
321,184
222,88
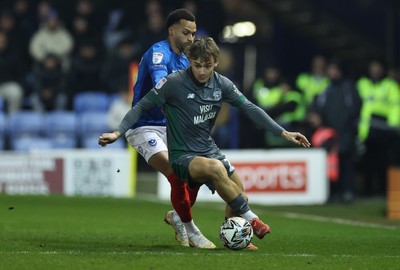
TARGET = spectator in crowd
x,y
154,28
49,85
280,101
52,38
25,20
378,126
394,74
314,82
116,67
82,32
339,106
87,9
11,75
123,15
251,136
119,106
43,8
85,70
325,137
193,7
265,86
211,16
17,39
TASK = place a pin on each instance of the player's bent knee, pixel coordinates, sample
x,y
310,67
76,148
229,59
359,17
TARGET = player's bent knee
x,y
216,170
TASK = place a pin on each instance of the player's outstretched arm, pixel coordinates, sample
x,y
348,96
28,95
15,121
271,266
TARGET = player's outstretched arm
x,y
108,138
130,118
296,137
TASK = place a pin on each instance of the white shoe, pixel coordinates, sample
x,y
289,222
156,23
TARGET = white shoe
x,y
180,231
198,240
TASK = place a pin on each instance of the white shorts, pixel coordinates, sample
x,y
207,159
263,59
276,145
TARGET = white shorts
x,y
148,140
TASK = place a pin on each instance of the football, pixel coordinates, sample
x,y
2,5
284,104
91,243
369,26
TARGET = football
x,y
236,233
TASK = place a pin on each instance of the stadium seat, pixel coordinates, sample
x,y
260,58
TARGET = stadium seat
x,y
91,124
91,102
25,144
61,128
2,103
3,127
25,124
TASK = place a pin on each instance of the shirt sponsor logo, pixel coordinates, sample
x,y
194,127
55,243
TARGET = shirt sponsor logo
x,y
160,83
157,57
273,176
202,118
205,108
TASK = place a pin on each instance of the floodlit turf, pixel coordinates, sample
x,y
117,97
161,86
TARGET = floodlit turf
x,y
57,232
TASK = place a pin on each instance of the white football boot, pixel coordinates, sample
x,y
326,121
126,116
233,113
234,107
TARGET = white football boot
x,y
198,240
180,231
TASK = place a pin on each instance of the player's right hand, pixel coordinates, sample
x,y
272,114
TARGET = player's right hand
x,y
108,138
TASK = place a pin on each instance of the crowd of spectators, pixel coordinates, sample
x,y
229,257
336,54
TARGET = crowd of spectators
x,y
356,120
52,50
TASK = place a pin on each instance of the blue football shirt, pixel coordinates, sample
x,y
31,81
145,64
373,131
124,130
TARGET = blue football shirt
x,y
157,62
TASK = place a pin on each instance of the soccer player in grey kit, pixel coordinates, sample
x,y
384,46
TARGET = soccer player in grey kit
x,y
191,99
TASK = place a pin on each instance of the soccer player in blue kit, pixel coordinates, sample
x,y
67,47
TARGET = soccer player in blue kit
x,y
191,100
148,135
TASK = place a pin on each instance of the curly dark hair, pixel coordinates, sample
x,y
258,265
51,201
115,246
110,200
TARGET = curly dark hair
x,y
179,14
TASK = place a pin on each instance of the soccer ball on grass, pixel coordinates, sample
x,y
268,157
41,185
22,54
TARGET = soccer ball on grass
x,y
236,233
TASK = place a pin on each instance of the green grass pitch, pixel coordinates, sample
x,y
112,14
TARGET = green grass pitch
x,y
56,232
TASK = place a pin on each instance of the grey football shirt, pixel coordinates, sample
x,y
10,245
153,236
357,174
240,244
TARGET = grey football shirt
x,y
191,110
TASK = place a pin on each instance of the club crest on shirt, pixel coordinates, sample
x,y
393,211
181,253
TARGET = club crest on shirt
x,y
160,83
217,94
157,57
152,142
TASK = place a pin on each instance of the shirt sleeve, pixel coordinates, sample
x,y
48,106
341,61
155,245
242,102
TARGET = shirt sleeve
x,y
150,100
260,118
158,64
257,115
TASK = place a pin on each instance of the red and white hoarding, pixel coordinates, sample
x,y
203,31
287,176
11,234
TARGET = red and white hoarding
x,y
273,177
69,172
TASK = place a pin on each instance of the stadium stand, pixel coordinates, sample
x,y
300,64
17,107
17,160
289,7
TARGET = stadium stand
x,y
3,127
91,101
60,127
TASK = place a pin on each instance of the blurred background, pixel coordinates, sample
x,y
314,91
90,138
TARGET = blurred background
x,y
330,69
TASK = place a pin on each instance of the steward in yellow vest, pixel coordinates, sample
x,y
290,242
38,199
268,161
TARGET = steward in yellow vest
x,y
283,104
313,83
378,127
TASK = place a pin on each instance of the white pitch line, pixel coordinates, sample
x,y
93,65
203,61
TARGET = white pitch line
x,y
338,221
153,198
210,253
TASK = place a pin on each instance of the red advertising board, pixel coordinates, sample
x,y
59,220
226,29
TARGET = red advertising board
x,y
273,176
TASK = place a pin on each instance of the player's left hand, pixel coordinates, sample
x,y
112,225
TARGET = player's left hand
x,y
297,138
